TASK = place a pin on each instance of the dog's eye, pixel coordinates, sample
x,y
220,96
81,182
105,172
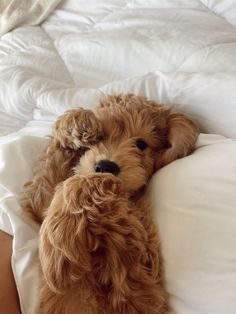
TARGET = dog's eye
x,y
141,144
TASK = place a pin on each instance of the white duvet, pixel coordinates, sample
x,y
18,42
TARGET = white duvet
x,y
178,52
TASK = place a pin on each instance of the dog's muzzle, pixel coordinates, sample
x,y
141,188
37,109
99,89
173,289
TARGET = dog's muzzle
x,y
107,166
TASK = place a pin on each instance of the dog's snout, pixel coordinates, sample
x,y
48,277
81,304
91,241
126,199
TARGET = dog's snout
x,y
107,166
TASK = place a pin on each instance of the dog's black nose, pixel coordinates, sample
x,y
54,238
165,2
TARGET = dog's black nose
x,y
107,166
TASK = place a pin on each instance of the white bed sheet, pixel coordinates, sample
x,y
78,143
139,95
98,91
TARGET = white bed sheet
x,y
179,52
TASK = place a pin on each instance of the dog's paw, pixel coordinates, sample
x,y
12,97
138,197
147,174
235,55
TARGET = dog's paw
x,y
77,128
105,184
85,191
100,186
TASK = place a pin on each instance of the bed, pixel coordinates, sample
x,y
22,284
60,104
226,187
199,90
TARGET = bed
x,y
178,52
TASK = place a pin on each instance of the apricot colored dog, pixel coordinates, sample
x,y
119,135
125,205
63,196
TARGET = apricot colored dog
x,y
99,248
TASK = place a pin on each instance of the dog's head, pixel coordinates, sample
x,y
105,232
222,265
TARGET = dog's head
x,y
138,137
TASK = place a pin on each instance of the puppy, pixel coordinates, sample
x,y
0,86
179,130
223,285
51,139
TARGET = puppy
x,y
99,248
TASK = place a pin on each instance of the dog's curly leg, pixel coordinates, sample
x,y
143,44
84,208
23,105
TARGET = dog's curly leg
x,y
69,237
68,231
91,242
75,130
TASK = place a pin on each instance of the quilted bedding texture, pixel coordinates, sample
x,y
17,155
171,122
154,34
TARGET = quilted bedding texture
x,y
177,52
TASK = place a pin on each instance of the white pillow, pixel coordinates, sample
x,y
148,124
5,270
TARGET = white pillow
x,y
195,209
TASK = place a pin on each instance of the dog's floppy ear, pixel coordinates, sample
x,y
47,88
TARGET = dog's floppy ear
x,y
181,134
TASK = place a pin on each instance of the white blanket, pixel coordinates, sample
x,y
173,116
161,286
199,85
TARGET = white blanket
x,y
17,13
179,52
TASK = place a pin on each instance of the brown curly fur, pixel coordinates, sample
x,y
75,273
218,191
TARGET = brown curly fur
x,y
99,248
